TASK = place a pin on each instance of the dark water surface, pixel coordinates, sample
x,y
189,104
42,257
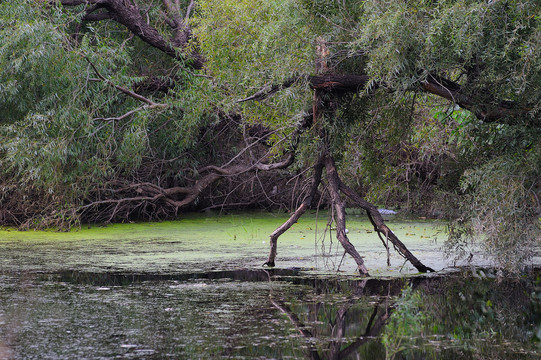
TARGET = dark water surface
x,y
280,314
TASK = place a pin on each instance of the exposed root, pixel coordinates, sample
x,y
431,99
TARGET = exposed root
x,y
127,198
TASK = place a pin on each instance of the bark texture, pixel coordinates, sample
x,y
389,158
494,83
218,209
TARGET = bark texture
x,y
129,14
340,215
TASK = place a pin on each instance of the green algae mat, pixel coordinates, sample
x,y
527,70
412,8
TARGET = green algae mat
x,y
203,242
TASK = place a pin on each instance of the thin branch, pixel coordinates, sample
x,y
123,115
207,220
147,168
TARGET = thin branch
x,y
126,91
316,180
156,193
122,117
269,90
189,9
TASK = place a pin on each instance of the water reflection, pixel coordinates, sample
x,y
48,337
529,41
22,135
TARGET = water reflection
x,y
5,350
462,316
338,347
276,314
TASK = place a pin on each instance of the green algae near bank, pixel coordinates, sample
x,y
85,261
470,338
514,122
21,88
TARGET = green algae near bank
x,y
203,242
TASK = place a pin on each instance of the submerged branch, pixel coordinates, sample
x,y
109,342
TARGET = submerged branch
x,y
340,214
316,180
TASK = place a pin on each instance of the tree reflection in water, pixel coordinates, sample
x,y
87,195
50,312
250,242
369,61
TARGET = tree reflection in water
x,y
335,349
337,323
269,314
456,316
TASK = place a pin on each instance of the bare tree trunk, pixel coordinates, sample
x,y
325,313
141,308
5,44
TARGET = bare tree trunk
x,y
338,203
316,179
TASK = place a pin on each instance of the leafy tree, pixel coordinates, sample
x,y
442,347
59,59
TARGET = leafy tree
x,y
373,62
97,124
403,98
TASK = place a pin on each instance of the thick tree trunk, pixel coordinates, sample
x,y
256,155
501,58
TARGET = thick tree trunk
x,y
340,211
128,14
499,111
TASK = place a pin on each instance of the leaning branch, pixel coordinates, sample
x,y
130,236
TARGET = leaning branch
x,y
379,225
270,90
305,205
128,14
340,217
502,111
453,92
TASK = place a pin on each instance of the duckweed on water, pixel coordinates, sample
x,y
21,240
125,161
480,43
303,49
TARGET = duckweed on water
x,y
207,241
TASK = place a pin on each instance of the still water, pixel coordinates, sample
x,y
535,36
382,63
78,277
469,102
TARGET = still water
x,y
147,291
267,315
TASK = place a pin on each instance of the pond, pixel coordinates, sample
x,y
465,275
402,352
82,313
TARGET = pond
x,y
195,289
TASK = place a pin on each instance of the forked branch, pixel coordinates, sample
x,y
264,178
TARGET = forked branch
x,y
340,215
127,197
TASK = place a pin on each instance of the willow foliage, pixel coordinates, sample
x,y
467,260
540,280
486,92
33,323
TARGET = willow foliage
x,y
394,143
493,48
249,45
65,131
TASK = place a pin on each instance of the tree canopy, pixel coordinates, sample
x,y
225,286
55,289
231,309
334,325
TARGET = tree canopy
x,y
112,109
